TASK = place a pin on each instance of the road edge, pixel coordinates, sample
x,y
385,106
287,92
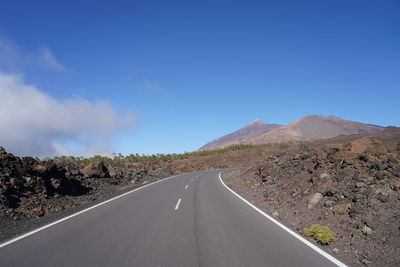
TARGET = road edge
x,y
296,235
82,211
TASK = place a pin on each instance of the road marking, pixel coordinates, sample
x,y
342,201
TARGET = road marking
x,y
191,180
177,204
82,211
305,241
186,186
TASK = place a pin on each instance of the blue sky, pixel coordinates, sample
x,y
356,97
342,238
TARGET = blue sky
x,y
190,71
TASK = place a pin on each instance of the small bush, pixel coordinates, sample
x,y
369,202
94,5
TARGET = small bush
x,y
366,230
321,234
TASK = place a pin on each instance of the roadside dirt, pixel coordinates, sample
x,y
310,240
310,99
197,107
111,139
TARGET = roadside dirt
x,y
345,183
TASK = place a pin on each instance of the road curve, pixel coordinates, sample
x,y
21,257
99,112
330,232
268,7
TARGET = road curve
x,y
187,220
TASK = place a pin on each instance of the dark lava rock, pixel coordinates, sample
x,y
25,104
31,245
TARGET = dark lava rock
x,y
365,157
26,178
357,187
96,170
330,151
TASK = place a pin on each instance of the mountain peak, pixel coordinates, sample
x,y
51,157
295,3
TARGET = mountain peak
x,y
314,127
255,128
257,121
307,128
317,116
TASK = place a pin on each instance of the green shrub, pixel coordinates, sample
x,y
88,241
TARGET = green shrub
x,y
119,158
366,230
321,234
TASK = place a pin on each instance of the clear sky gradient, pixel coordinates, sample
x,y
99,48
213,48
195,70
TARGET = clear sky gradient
x,y
191,71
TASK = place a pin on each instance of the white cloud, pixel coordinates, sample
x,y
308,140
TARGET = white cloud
x,y
33,123
46,59
14,59
10,58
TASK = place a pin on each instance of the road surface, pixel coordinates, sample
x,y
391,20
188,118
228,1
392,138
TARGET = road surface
x,y
187,220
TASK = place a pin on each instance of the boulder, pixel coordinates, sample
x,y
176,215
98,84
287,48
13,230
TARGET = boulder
x,y
314,200
365,157
95,170
324,175
36,212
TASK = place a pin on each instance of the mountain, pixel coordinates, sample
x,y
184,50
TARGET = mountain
x,y
255,128
308,128
312,128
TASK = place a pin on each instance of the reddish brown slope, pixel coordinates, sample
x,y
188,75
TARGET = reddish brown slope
x,y
255,128
312,128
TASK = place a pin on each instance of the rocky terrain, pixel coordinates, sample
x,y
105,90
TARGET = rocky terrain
x,y
29,188
350,184
34,192
312,127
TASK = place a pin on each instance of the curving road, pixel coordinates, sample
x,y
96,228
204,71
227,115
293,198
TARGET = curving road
x,y
186,220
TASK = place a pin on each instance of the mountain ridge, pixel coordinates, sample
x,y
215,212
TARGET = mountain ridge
x,y
254,128
311,127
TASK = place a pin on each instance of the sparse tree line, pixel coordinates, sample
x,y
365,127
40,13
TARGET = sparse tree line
x,y
142,158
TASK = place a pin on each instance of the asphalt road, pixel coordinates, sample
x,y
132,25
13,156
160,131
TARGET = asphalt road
x,y
188,220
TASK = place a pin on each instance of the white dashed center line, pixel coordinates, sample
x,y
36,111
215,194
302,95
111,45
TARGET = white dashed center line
x,y
186,186
191,180
177,204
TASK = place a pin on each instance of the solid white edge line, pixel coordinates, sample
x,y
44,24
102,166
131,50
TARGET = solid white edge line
x,y
82,211
305,241
177,204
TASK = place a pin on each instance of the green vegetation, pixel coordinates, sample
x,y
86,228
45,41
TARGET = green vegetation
x,y
321,234
132,158
119,158
366,230
235,148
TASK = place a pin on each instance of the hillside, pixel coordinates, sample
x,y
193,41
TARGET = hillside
x,y
312,127
255,128
349,183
